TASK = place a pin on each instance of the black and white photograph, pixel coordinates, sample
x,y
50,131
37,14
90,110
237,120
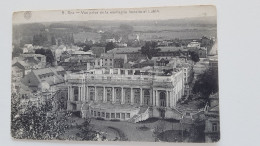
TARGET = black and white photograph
x,y
134,74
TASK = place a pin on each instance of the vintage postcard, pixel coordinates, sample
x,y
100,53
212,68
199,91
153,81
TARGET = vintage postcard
x,y
135,74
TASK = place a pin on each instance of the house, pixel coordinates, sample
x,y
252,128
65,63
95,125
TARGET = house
x,y
110,60
78,63
161,62
26,67
201,51
133,53
172,51
212,124
52,75
98,62
118,62
144,63
17,73
213,63
193,44
38,59
113,40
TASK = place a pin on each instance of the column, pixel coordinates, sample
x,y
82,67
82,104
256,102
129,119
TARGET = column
x,y
153,103
167,98
122,96
175,99
95,96
71,93
157,98
151,97
113,95
104,94
132,96
141,96
86,94
79,92
83,93
171,99
68,93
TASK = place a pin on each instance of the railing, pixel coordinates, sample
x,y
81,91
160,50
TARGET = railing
x,y
126,79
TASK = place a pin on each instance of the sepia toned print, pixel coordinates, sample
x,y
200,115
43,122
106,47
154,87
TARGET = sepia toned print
x,y
135,74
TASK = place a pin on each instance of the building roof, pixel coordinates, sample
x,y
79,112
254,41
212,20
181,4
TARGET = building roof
x,y
50,75
125,50
82,53
113,56
172,49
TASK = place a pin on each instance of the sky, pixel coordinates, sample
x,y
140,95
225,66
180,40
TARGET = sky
x,y
152,13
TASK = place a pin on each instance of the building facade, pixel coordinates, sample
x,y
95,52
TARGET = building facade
x,y
125,96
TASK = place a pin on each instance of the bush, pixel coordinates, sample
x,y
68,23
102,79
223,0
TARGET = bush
x,y
172,120
99,118
150,120
115,120
143,128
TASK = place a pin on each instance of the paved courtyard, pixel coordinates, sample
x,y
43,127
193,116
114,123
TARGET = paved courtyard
x,y
131,131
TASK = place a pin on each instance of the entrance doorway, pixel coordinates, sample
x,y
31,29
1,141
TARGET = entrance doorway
x,y
146,97
162,99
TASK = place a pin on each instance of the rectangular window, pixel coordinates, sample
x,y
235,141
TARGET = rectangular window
x,y
214,127
123,116
118,115
122,72
95,114
108,115
92,112
130,72
98,114
103,114
128,115
112,115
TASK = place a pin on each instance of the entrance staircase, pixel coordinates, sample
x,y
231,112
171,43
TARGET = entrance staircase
x,y
142,115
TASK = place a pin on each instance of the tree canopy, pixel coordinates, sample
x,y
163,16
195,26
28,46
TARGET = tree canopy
x,y
47,53
150,49
16,52
194,56
206,83
39,39
29,121
110,46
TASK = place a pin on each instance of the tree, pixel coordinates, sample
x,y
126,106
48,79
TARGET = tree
x,y
150,49
110,46
86,48
194,56
86,131
53,40
39,39
47,53
29,121
206,84
16,52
